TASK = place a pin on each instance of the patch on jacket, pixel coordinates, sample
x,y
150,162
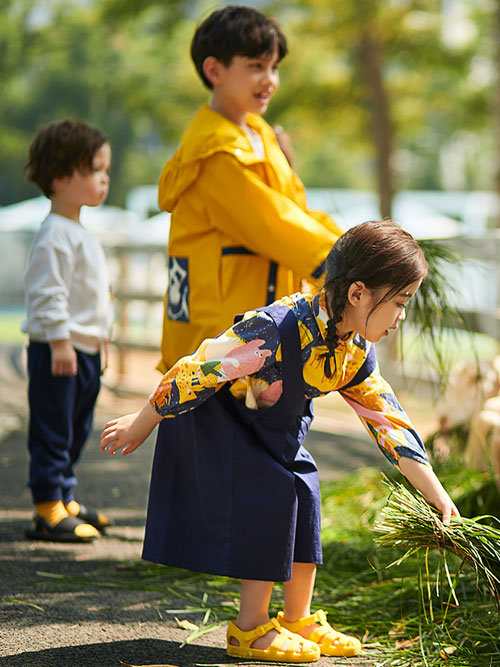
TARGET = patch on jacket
x,y
178,289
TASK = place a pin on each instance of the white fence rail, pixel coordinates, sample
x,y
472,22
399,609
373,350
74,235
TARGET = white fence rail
x,y
481,252
139,275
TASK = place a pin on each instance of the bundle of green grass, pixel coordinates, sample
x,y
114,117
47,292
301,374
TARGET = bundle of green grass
x,y
408,521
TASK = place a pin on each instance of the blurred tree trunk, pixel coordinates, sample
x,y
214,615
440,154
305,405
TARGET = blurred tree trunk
x,y
370,59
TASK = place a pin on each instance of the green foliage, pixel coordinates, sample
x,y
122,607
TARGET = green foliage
x,y
125,67
431,90
413,607
94,62
163,16
431,310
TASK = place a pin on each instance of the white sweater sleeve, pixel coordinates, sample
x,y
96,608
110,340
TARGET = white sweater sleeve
x,y
48,283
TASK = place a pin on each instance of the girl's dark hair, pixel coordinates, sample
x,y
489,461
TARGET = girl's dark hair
x,y
377,253
61,148
235,31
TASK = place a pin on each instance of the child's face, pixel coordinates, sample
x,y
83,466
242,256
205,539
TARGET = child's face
x,y
246,85
386,317
89,188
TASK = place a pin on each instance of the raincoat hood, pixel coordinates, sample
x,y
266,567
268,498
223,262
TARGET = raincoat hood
x,y
209,133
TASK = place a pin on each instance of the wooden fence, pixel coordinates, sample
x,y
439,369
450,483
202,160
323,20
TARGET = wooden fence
x,y
139,273
147,289
484,249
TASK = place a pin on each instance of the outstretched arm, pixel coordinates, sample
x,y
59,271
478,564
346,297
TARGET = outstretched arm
x,y
386,421
130,431
424,479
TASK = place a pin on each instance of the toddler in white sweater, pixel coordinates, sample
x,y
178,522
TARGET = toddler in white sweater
x,y
68,322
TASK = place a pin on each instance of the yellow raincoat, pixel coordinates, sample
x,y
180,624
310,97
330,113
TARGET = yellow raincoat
x,y
240,235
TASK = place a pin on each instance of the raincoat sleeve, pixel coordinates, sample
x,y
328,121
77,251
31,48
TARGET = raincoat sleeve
x,y
245,349
385,420
263,219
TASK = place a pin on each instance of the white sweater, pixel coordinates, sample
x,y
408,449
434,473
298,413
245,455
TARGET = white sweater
x,y
67,286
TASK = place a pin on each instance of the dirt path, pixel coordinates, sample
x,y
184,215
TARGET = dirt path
x,y
57,621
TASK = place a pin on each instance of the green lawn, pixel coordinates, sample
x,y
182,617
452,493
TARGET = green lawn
x,y
10,326
455,345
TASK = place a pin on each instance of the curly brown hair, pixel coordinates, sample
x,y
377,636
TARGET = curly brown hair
x,y
59,149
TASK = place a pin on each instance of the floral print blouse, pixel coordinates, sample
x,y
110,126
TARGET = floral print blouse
x,y
248,356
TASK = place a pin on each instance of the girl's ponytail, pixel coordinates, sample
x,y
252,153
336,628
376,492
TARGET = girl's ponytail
x,y
336,287
336,308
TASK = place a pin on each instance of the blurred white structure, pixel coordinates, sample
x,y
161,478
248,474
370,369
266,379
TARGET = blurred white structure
x,y
136,246
112,225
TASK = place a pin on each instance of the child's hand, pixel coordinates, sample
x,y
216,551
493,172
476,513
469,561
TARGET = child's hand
x,y
63,357
130,431
442,502
424,479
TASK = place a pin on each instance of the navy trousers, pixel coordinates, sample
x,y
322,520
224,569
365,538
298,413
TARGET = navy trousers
x,y
61,413
233,491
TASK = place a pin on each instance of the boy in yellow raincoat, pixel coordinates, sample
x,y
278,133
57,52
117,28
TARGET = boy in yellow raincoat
x,y
240,224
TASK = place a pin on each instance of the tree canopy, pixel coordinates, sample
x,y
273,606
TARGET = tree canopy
x,y
375,93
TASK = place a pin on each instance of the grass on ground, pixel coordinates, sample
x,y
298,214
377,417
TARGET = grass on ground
x,y
411,614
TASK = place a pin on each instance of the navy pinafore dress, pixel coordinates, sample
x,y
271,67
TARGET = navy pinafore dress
x,y
233,491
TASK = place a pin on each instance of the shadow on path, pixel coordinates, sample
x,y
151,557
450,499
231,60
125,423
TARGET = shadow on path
x,y
110,654
56,618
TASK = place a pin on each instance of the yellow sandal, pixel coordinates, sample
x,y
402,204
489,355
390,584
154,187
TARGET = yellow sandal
x,y
329,640
298,649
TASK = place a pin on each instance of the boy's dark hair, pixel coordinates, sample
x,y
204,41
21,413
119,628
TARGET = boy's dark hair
x,y
378,254
61,148
235,31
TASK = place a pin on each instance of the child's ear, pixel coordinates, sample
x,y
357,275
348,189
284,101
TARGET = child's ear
x,y
212,69
355,293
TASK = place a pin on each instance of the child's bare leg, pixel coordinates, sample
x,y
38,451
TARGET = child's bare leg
x,y
298,591
255,597
254,611
298,595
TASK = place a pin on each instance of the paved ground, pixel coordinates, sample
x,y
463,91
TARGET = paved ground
x,y
55,621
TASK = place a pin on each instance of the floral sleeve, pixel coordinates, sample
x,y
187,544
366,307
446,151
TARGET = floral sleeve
x,y
244,349
385,420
